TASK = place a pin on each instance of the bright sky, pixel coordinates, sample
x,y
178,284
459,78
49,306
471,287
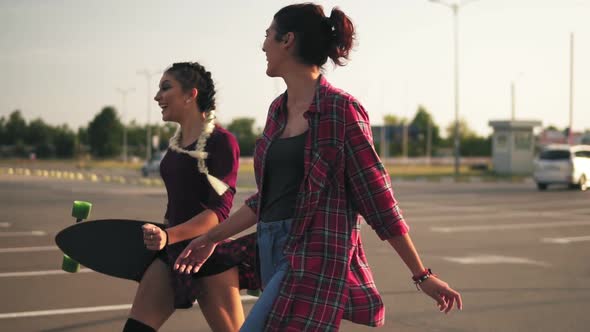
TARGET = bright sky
x,y
63,60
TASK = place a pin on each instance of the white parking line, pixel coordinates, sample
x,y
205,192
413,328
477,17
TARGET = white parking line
x,y
27,249
494,259
38,273
30,233
245,298
505,227
565,240
4,224
64,311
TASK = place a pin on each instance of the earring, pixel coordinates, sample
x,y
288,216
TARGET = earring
x,y
187,101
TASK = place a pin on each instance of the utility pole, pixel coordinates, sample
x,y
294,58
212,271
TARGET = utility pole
x,y
455,6
513,101
570,138
124,93
429,140
148,147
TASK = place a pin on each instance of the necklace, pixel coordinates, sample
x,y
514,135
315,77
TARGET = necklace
x,y
199,153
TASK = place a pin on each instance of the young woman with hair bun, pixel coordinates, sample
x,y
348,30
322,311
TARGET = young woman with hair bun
x,y
317,173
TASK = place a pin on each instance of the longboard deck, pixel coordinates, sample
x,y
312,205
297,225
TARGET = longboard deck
x,y
111,246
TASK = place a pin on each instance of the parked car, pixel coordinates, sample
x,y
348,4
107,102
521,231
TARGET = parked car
x,y
563,164
152,167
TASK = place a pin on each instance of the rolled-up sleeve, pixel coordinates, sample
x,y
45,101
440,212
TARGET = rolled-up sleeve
x,y
367,179
252,202
223,164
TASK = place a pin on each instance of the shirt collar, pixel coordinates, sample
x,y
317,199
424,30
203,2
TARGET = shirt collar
x,y
321,90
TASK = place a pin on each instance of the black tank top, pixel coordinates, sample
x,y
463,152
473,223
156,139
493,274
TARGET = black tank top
x,y
282,178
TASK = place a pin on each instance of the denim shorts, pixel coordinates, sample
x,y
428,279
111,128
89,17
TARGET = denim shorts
x,y
272,237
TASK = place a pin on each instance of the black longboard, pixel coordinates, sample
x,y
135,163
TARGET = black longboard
x,y
111,246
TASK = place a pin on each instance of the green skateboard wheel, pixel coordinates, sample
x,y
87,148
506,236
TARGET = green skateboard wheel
x,y
254,292
81,209
70,265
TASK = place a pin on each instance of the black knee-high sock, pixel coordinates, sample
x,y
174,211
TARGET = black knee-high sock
x,y
133,325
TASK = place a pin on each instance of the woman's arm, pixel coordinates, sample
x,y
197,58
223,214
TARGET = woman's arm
x,y
198,251
437,289
156,238
197,225
372,195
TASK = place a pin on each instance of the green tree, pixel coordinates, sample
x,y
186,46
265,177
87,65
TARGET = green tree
x,y
105,134
476,146
393,120
243,129
470,143
3,136
423,124
16,128
464,130
64,141
552,127
40,137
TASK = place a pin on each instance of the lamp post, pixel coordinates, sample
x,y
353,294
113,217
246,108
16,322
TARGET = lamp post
x,y
148,147
513,97
455,6
124,93
570,137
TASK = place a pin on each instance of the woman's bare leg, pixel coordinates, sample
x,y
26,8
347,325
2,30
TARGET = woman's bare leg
x,y
154,300
220,301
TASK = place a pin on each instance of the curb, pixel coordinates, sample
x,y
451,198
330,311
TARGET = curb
x,y
80,176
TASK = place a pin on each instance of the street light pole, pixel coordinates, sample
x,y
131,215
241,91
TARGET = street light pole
x,y
570,138
455,6
124,93
148,147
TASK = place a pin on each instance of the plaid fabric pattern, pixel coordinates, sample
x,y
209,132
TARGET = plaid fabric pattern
x,y
329,279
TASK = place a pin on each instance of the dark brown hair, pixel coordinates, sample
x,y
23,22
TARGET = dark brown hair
x,y
193,75
317,36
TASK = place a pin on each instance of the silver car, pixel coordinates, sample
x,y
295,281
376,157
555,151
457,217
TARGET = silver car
x,y
152,167
563,164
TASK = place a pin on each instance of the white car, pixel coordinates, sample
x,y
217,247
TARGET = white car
x,y
563,164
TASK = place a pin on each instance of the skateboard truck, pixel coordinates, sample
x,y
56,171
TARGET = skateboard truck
x,y
80,211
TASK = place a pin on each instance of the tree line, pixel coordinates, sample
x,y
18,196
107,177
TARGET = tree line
x,y
102,137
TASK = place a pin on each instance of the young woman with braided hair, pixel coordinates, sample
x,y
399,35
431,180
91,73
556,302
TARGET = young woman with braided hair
x,y
317,172
199,171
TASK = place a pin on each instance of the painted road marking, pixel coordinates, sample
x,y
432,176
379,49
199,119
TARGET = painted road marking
x,y
30,233
38,273
494,259
27,249
4,224
23,314
565,240
505,227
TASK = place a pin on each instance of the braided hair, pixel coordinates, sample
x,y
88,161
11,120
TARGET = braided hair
x,y
192,75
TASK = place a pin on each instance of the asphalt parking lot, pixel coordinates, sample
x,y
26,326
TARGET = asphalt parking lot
x,y
518,256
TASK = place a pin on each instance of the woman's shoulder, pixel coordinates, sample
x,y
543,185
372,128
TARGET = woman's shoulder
x,y
342,96
221,137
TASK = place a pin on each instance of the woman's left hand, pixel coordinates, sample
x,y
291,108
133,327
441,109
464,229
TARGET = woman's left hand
x,y
154,237
444,295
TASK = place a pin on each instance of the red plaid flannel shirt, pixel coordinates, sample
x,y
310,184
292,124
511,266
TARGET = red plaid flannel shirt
x,y
329,278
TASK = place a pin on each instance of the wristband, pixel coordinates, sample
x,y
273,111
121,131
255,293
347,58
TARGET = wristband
x,y
420,278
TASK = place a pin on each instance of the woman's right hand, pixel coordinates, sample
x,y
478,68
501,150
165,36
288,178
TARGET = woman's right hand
x,y
194,255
